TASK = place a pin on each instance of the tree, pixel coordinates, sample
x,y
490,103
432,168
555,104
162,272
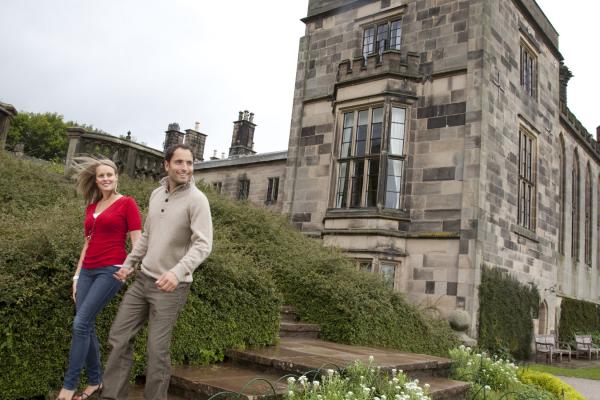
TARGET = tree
x,y
44,135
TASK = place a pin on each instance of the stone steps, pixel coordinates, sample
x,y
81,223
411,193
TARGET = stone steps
x,y
300,355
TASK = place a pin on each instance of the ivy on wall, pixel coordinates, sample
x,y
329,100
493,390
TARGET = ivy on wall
x,y
506,311
577,316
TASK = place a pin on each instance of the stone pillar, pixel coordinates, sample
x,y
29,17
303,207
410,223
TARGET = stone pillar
x,y
74,134
7,111
130,163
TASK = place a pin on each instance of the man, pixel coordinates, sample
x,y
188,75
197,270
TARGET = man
x,y
177,238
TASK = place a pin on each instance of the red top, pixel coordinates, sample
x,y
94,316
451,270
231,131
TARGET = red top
x,y
107,233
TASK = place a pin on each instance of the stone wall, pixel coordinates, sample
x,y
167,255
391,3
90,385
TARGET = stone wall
x,y
225,175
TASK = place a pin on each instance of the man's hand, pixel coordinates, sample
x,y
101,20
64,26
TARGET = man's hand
x,y
167,282
123,273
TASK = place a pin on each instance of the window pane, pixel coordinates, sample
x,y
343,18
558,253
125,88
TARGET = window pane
x,y
357,182
382,33
395,34
368,41
388,272
347,135
394,183
376,130
397,131
361,133
342,191
365,266
372,183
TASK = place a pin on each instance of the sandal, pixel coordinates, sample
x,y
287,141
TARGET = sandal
x,y
84,396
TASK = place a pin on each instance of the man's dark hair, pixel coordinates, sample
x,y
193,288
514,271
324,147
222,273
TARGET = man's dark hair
x,y
171,150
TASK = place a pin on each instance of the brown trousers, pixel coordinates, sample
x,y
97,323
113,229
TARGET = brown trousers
x,y
143,301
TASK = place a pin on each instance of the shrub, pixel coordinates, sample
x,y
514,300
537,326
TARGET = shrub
x,y
258,261
578,317
492,377
505,313
551,384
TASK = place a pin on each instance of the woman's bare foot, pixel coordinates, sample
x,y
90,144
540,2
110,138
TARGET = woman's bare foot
x,y
65,394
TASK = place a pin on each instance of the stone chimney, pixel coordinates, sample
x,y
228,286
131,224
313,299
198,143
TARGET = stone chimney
x,y
242,140
214,156
173,136
598,134
196,140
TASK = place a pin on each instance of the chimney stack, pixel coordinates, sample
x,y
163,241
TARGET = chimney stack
x,y
214,156
197,126
598,134
242,140
222,156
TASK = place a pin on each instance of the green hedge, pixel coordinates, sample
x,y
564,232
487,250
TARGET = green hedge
x,y
578,317
505,313
258,262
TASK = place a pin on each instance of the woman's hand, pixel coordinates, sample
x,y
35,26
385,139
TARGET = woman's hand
x,y
74,290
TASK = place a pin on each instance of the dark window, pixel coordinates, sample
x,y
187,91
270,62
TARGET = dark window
x,y
562,198
527,187
272,190
244,189
363,160
217,186
381,37
588,217
575,209
429,287
365,265
528,70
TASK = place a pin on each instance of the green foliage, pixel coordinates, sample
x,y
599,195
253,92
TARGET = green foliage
x,y
357,382
551,384
505,313
578,317
258,260
492,377
44,135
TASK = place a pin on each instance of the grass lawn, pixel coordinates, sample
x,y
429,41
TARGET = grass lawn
x,y
586,373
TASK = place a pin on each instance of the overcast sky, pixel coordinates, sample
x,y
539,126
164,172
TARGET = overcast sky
x,y
141,64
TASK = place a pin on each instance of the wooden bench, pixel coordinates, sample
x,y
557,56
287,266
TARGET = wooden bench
x,y
585,346
546,345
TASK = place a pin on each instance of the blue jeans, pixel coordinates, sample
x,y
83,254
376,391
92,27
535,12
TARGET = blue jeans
x,y
95,288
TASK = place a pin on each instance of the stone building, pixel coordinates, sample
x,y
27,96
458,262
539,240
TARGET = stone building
x,y
245,175
430,138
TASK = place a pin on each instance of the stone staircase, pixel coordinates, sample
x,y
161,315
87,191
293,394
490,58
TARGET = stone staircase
x,y
260,372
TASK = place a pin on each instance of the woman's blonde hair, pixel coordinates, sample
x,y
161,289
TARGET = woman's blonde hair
x,y
84,169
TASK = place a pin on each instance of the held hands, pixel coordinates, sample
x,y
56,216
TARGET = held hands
x,y
167,282
123,274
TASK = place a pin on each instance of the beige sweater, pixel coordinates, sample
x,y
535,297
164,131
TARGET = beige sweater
x,y
177,233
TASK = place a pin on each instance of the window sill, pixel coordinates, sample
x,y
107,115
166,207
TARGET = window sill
x,y
526,233
359,213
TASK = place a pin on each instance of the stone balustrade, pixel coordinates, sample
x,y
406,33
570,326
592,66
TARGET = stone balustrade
x,y
132,159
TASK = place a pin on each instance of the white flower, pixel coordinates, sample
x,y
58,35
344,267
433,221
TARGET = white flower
x,y
394,371
291,393
371,359
330,372
426,386
487,387
291,380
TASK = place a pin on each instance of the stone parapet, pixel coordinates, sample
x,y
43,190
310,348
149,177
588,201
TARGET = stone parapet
x,y
133,159
391,63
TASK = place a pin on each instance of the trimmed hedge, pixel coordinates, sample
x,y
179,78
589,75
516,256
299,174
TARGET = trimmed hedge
x,y
578,317
258,260
551,384
505,313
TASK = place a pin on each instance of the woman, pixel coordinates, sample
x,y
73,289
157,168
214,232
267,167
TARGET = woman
x,y
108,217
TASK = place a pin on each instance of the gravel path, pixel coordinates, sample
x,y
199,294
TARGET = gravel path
x,y
588,387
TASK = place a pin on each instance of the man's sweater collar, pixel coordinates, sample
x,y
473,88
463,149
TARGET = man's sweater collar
x,y
164,182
